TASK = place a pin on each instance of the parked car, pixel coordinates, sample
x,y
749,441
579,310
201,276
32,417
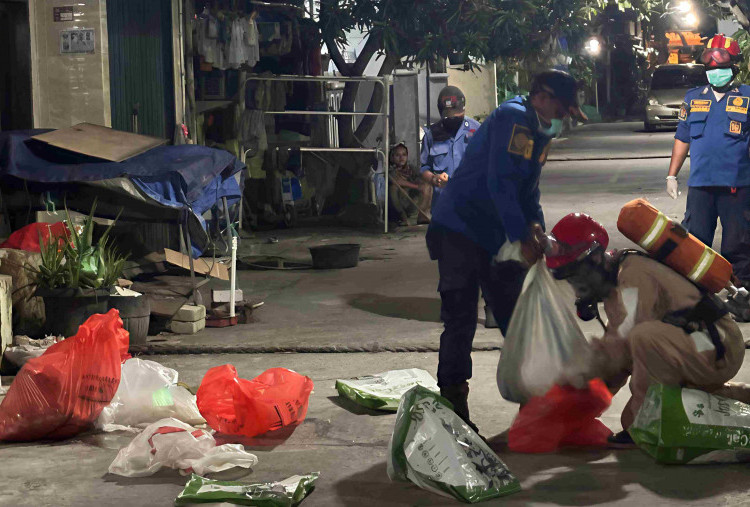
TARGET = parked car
x,y
667,91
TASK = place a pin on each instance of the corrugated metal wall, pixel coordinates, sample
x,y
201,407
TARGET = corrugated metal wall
x,y
140,65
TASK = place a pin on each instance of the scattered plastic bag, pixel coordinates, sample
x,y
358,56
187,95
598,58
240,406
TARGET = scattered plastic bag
x,y
688,426
147,393
235,406
25,348
383,391
432,447
62,392
286,493
563,417
27,238
173,444
544,342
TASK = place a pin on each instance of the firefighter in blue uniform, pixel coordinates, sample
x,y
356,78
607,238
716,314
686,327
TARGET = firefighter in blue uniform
x,y
444,142
714,128
491,206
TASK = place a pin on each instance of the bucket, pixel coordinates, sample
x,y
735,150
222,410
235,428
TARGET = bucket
x,y
135,312
339,256
66,309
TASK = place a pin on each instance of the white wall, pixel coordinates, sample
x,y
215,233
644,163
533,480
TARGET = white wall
x,y
479,87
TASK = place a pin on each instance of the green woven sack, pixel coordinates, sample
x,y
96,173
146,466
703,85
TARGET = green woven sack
x,y
432,447
383,391
678,426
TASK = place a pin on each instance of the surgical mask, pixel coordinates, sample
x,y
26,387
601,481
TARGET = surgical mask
x,y
554,128
453,123
719,77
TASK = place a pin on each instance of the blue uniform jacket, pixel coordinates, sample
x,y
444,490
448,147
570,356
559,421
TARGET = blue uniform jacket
x,y
494,193
719,137
445,156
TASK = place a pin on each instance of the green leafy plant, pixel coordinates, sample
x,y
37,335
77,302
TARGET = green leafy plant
x,y
743,39
74,261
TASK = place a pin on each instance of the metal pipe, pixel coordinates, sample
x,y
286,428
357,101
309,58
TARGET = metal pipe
x,y
386,131
427,91
229,223
197,298
232,244
266,4
325,113
233,278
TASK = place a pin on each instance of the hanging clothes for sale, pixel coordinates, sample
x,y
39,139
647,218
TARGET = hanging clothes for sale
x,y
251,41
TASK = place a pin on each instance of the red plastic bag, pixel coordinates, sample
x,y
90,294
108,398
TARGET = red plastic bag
x,y
565,416
27,238
236,406
61,393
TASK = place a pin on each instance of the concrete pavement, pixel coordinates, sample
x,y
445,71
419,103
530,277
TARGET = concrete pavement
x,y
387,301
390,299
348,445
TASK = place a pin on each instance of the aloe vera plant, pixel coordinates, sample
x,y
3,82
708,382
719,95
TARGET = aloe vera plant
x,y
74,261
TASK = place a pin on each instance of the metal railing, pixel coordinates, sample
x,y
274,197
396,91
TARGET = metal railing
x,y
383,81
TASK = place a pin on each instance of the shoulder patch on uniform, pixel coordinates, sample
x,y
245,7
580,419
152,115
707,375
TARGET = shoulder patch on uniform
x,y
737,104
683,112
700,105
519,140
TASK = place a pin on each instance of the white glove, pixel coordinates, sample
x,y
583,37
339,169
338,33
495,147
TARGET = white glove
x,y
672,187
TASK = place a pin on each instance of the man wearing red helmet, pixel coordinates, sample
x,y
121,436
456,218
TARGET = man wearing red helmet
x,y
714,128
661,328
490,207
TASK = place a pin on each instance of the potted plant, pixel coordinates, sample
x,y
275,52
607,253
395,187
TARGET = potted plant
x,y
75,275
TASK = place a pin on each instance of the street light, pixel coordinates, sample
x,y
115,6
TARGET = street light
x,y
691,20
593,46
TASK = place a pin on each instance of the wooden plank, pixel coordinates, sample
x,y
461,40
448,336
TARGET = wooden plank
x,y
214,269
101,142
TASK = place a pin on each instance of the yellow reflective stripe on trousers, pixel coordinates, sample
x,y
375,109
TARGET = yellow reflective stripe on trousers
x,y
701,267
648,239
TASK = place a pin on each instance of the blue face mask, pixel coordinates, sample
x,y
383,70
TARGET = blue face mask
x,y
719,77
554,129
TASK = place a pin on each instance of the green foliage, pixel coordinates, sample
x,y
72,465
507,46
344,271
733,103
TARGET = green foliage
x,y
477,30
743,39
74,261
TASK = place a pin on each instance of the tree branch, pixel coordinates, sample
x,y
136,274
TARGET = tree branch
x,y
337,57
376,101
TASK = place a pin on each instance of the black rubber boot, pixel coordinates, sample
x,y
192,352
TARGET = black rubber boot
x,y
621,440
458,395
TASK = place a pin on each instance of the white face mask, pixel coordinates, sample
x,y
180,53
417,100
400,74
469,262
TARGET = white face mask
x,y
553,130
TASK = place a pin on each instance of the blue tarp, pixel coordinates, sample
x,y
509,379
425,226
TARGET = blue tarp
x,y
188,176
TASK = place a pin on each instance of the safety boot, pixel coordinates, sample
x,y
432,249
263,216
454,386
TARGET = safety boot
x,y
458,395
621,440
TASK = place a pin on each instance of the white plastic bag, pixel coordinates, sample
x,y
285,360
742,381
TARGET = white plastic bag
x,y
174,444
544,343
147,393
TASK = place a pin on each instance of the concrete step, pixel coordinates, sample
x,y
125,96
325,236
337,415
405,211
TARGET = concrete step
x,y
190,313
179,327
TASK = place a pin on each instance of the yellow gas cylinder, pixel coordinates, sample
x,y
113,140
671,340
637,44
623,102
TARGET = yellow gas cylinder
x,y
670,243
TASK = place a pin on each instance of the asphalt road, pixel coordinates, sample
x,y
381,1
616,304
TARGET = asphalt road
x,y
597,168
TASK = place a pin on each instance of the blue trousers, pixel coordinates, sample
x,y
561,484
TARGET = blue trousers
x,y
465,267
732,207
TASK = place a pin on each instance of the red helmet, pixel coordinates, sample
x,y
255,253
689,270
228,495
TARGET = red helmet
x,y
578,234
721,52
